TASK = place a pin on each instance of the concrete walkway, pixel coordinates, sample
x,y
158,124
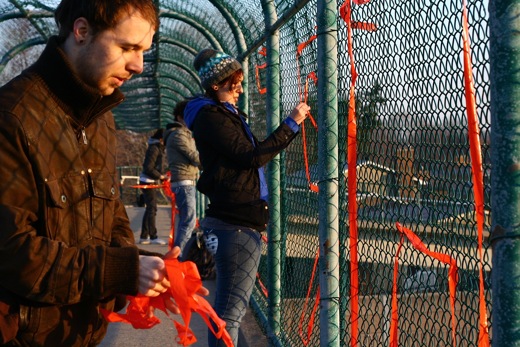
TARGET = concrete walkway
x,y
164,334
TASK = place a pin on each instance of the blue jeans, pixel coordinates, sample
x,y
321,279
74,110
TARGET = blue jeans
x,y
186,204
237,256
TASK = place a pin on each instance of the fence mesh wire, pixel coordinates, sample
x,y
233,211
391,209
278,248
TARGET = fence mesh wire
x,y
412,148
413,168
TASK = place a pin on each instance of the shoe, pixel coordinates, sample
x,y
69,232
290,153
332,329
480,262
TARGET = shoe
x,y
144,241
158,241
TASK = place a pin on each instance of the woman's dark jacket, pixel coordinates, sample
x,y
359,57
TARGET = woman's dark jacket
x,y
230,164
66,247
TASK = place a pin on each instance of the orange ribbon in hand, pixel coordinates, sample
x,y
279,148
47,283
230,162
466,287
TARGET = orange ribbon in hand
x,y
186,283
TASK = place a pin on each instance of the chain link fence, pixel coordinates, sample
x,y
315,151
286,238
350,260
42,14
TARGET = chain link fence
x,y
413,167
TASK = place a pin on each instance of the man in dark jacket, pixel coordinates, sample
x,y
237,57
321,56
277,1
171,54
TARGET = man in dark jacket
x,y
66,247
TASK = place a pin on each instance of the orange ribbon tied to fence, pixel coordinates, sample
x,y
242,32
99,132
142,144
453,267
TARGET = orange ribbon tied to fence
x,y
452,281
303,97
307,338
186,282
477,171
352,184
345,13
262,51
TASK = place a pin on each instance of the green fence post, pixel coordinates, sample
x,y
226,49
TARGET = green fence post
x,y
328,168
274,253
243,102
505,170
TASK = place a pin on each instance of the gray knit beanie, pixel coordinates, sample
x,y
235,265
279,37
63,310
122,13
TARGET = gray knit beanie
x,y
214,67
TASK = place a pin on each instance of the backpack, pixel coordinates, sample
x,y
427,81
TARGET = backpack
x,y
195,250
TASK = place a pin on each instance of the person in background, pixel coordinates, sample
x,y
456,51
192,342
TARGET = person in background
x,y
66,246
152,174
233,178
183,163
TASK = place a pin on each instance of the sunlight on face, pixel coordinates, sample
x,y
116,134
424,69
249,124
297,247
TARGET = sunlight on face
x,y
230,92
113,56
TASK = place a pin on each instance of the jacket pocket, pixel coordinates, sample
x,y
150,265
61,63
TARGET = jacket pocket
x,y
54,208
105,190
67,208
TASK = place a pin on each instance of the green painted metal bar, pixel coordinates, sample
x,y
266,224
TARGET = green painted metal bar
x,y
234,27
32,14
276,26
243,101
156,54
174,42
233,24
196,25
274,254
30,18
264,322
505,170
186,68
176,91
194,88
328,198
18,49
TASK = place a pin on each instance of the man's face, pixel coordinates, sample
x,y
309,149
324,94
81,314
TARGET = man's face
x,y
110,58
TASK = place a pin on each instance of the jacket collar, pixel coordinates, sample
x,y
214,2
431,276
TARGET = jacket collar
x,y
77,99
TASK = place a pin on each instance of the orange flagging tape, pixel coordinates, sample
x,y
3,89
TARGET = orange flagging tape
x,y
364,26
186,282
394,312
310,325
262,51
171,195
477,171
257,75
352,184
452,282
312,186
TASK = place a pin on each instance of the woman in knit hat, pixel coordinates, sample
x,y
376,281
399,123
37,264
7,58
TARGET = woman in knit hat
x,y
233,179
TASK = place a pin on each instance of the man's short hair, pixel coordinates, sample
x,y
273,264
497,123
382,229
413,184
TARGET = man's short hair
x,y
102,14
178,111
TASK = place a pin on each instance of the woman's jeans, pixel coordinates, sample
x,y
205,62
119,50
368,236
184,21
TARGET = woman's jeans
x,y
186,204
237,256
148,228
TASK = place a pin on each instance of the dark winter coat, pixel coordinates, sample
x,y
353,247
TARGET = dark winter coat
x,y
66,247
230,164
153,162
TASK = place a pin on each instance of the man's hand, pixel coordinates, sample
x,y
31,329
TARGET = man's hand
x,y
152,276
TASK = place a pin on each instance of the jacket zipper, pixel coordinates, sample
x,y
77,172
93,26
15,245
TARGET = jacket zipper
x,y
84,135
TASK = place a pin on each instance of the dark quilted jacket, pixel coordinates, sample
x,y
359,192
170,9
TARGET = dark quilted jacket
x,y
65,242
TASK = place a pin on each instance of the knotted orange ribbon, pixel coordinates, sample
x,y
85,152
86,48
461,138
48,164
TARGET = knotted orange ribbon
x,y
186,282
312,186
262,51
452,281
